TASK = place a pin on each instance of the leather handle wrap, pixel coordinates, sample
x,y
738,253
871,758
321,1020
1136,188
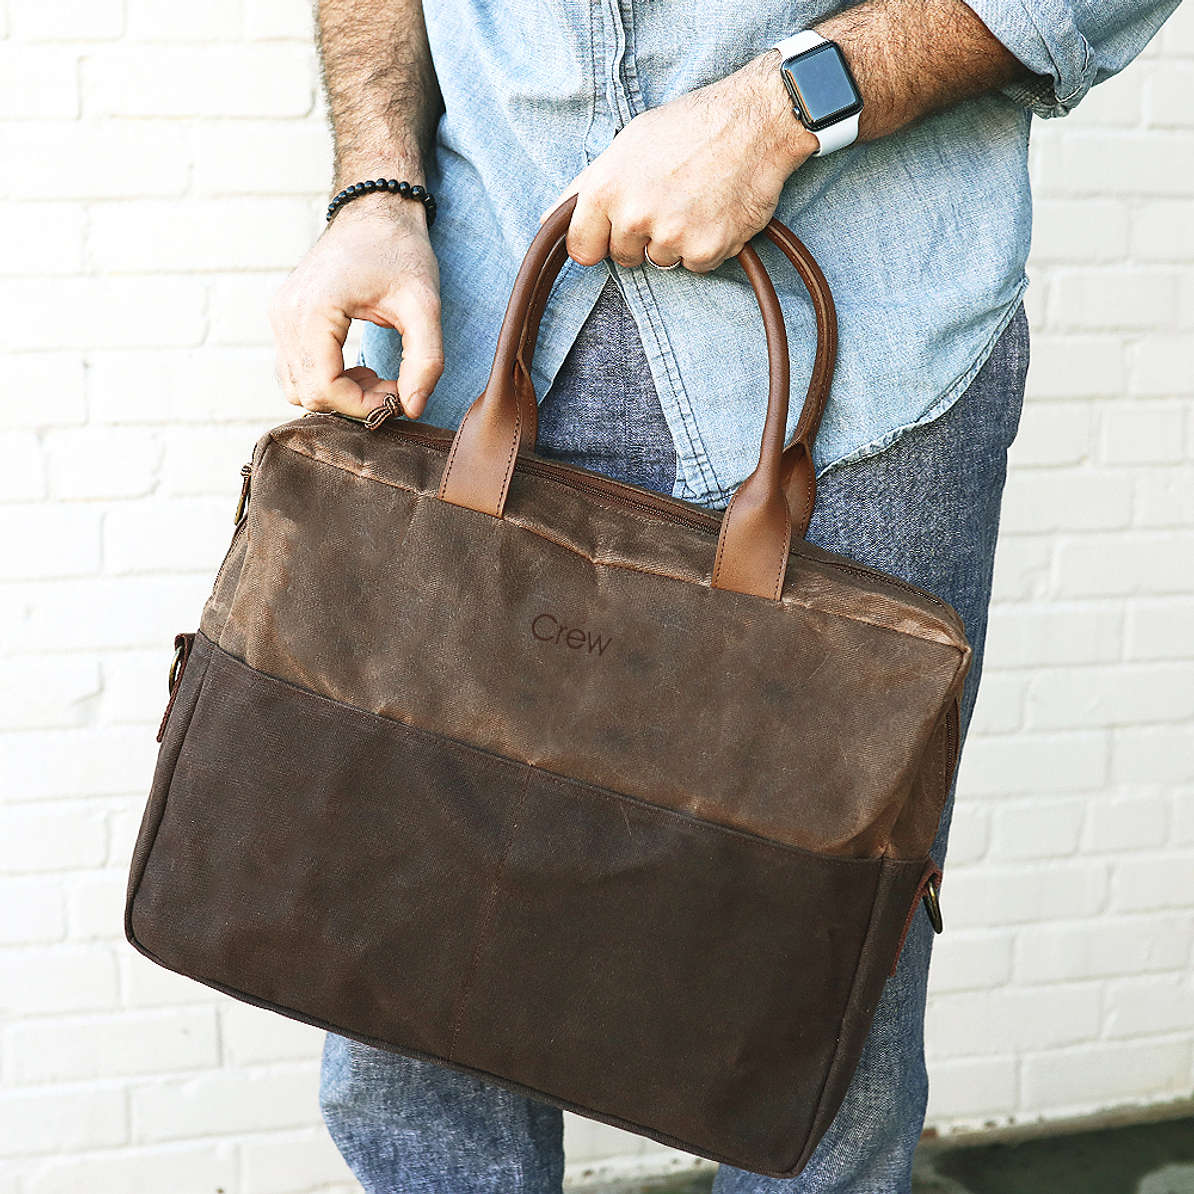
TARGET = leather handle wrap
x,y
777,498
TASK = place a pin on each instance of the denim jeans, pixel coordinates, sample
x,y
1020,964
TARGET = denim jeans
x,y
926,508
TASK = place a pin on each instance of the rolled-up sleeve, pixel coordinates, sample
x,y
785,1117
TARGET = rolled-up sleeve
x,y
1069,46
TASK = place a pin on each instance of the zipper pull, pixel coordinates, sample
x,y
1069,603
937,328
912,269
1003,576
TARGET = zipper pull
x,y
246,471
379,414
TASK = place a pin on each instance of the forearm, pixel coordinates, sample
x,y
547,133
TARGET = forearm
x,y
914,57
383,98
909,57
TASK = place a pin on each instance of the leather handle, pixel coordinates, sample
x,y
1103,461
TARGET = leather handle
x,y
777,497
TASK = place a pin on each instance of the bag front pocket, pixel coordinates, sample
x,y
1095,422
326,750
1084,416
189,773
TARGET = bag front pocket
x,y
682,979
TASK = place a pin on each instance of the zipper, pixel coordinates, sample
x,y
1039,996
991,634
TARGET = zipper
x,y
246,472
615,492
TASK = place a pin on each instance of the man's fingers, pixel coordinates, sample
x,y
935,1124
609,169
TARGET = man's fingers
x,y
415,312
588,234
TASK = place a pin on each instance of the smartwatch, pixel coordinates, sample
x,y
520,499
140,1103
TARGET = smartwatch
x,y
825,97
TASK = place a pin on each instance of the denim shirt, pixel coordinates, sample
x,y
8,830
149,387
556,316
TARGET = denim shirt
x,y
923,235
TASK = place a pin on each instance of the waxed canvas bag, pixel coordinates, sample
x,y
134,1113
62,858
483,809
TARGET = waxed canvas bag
x,y
615,800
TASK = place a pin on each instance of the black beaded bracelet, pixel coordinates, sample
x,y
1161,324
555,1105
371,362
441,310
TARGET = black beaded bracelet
x,y
393,186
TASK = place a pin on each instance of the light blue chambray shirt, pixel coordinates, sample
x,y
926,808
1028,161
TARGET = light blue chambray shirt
x,y
923,235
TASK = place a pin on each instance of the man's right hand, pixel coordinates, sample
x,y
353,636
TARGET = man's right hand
x,y
374,261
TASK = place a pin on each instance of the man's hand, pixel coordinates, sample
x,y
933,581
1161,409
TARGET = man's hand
x,y
696,178
375,262
693,179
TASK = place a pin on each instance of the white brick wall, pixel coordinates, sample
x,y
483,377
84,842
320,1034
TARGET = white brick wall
x,y
179,164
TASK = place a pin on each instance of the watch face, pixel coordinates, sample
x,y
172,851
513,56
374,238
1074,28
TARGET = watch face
x,y
821,86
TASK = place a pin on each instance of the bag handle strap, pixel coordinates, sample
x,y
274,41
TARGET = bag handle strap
x,y
777,497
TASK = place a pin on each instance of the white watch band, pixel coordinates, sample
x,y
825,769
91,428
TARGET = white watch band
x,y
840,134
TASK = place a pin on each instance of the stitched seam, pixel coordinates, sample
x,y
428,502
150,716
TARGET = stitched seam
x,y
487,914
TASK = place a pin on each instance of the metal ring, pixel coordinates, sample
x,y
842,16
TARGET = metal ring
x,y
656,263
932,902
179,651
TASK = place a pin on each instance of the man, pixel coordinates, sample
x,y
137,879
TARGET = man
x,y
672,123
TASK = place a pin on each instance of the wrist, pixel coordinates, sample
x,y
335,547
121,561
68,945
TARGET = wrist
x,y
787,142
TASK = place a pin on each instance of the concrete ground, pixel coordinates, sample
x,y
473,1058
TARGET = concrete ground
x,y
1100,1157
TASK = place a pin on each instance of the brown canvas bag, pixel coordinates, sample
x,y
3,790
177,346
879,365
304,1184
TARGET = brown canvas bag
x,y
615,800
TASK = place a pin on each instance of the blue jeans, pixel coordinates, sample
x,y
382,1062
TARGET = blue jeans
x,y
926,508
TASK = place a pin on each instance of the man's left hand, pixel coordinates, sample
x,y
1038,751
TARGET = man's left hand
x,y
692,180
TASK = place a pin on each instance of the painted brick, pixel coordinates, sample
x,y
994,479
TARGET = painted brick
x,y
1052,433
95,901
44,389
1120,564
1040,829
1067,951
1115,298
1142,433
207,1167
1161,629
23,478
169,311
61,1120
41,238
251,233
1075,366
970,961
224,1103
217,20
1160,365
178,535
1053,634
1000,705
981,1087
1150,1006
1074,698
278,19
1146,163
177,81
201,461
252,1035
969,833
79,762
1033,763
279,1164
49,541
43,691
1103,1075
1080,230
153,159
1012,1020
210,386
102,462
1159,882
1066,499
66,20
38,84
1022,566
52,838
143,611
993,897
267,158
238,308
31,910
61,978
1156,755
1121,823
1168,95
1165,497
107,1046
135,686
1162,231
